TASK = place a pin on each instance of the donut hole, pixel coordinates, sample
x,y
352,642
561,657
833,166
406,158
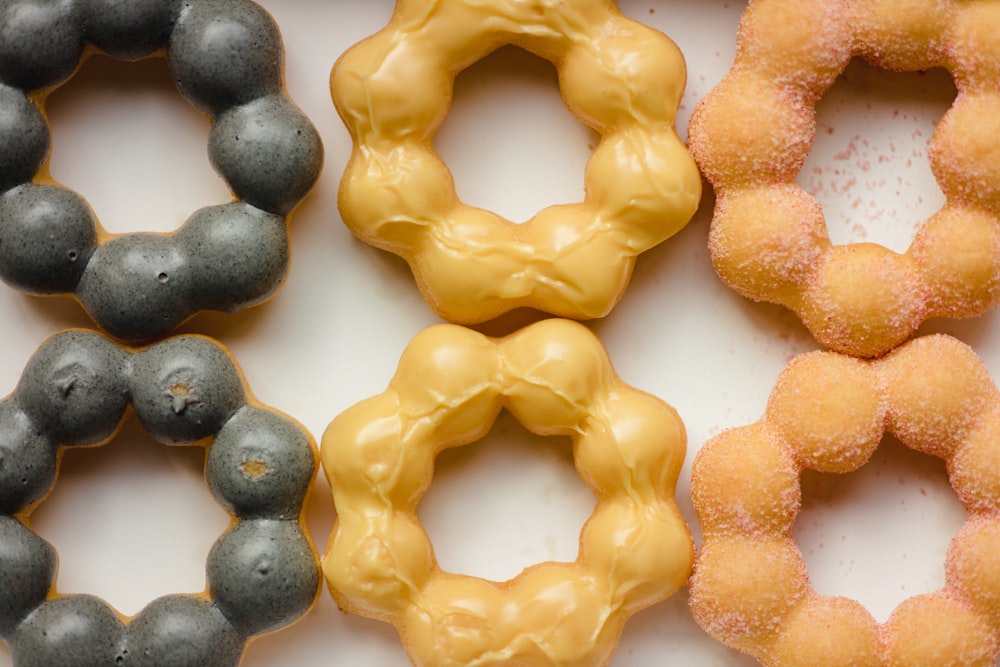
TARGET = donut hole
x,y
508,501
128,143
879,535
868,166
132,520
511,144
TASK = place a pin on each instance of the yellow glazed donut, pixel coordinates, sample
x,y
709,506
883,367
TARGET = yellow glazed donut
x,y
752,133
619,77
828,412
556,379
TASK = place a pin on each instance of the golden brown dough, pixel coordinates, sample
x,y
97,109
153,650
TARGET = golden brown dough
x,y
752,133
828,412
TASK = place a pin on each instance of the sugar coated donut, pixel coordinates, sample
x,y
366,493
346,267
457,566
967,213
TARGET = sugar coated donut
x,y
828,412
226,58
556,379
752,133
262,573
619,77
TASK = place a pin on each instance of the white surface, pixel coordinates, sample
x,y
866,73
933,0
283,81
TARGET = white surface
x,y
133,521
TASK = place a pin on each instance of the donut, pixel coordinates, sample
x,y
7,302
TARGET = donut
x,y
828,412
619,77
262,573
751,136
555,378
227,59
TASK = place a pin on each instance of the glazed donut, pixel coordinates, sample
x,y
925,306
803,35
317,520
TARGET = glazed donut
x,y
828,412
262,573
751,136
621,78
226,58
556,379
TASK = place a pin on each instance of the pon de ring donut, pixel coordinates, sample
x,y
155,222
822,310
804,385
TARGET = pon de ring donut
x,y
226,57
828,413
752,134
619,77
262,573
556,379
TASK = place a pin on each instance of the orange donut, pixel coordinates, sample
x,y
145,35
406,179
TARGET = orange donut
x,y
556,379
752,133
750,589
621,78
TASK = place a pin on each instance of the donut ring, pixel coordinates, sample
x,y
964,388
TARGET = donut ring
x,y
751,136
556,379
621,78
262,573
750,588
227,59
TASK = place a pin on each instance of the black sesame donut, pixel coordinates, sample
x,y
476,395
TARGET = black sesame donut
x,y
262,573
226,57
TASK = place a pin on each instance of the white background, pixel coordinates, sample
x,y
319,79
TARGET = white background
x,y
132,520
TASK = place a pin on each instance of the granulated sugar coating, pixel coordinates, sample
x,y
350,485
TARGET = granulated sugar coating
x,y
752,134
828,412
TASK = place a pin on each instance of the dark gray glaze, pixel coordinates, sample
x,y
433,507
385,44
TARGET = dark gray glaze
x,y
182,631
24,138
236,252
260,465
224,54
47,236
40,42
69,631
139,284
227,58
128,30
76,388
27,569
268,150
184,389
263,573
27,460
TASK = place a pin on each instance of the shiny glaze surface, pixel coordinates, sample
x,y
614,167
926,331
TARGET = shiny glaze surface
x,y
451,383
619,77
262,573
226,58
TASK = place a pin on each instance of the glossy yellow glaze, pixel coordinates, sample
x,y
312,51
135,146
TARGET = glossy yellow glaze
x,y
620,77
556,379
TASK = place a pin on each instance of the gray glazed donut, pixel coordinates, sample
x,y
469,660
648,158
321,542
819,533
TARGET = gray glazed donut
x,y
227,58
262,573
